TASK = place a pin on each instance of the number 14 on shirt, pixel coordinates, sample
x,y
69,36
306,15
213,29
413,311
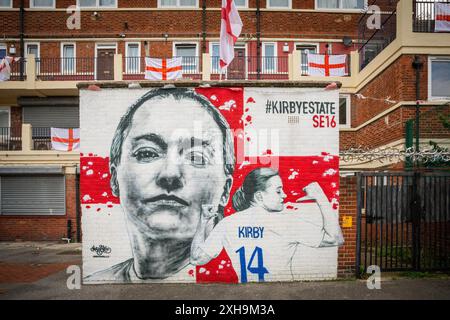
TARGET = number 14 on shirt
x,y
260,270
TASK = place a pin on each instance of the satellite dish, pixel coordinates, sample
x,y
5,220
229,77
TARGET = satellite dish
x,y
347,41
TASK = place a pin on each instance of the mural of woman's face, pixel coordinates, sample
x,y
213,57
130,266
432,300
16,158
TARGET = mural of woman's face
x,y
171,165
273,197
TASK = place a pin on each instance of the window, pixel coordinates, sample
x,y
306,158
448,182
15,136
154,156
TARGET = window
x,y
3,51
344,111
241,3
68,58
4,117
97,3
178,3
32,195
5,3
189,54
278,3
33,48
215,57
42,3
305,49
269,57
439,78
132,54
341,4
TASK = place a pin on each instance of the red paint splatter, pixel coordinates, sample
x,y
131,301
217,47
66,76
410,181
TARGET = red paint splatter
x,y
251,100
98,209
246,109
191,272
248,118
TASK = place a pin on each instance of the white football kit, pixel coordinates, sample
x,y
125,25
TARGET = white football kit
x,y
262,244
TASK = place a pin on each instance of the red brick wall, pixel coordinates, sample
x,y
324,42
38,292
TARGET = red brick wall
x,y
347,207
398,81
16,118
38,228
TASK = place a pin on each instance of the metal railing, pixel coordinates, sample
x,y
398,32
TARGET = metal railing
x,y
252,68
134,68
373,41
41,137
10,139
16,68
66,69
424,15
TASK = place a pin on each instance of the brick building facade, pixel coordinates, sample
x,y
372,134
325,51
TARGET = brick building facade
x,y
377,96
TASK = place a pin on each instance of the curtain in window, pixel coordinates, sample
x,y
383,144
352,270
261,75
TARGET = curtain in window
x,y
215,57
189,61
43,3
107,3
88,3
352,4
440,78
5,3
167,3
269,58
279,3
69,59
187,3
332,4
133,59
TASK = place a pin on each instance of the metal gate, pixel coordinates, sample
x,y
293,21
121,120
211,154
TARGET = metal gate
x,y
403,221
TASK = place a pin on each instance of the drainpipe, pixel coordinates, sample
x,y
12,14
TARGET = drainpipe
x,y
22,42
203,26
258,40
77,202
417,65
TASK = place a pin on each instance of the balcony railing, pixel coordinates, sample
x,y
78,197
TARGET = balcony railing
x,y
16,67
253,68
373,41
10,139
134,68
41,137
67,69
423,19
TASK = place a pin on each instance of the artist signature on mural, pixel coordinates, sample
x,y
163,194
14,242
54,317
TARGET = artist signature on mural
x,y
101,250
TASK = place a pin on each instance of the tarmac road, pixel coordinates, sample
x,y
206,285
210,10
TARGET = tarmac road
x,y
27,272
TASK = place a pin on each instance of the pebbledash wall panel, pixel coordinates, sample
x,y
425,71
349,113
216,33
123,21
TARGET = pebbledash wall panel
x,y
213,184
32,195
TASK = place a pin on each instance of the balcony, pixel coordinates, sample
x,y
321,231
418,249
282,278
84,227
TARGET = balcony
x,y
10,139
134,68
423,15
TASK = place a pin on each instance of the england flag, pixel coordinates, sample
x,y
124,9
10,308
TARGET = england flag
x,y
163,69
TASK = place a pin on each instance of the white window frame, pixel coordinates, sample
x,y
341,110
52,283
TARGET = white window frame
x,y
316,7
27,44
74,57
32,5
97,5
7,7
268,6
430,77
108,45
348,109
127,56
8,109
263,64
197,48
178,5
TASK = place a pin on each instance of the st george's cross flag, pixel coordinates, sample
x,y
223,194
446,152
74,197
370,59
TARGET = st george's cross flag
x,y
5,67
163,69
230,29
326,65
442,17
65,139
